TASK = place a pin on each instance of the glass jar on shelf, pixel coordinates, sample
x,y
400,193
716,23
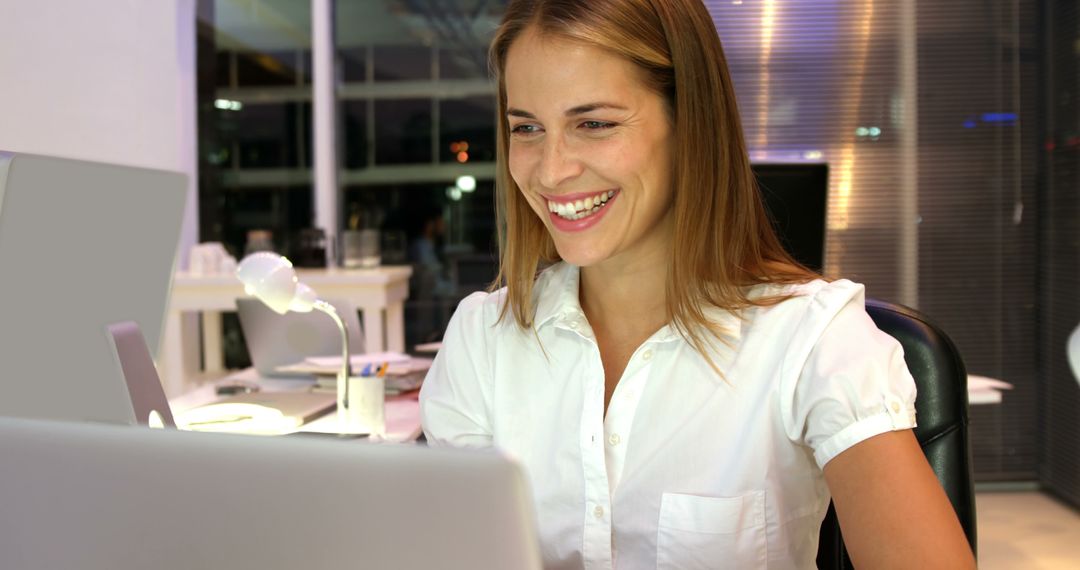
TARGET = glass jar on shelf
x,y
258,240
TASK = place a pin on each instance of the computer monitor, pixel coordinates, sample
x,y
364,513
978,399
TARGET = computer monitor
x,y
82,246
796,195
99,497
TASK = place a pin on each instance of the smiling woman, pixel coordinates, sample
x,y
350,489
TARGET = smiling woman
x,y
585,133
681,393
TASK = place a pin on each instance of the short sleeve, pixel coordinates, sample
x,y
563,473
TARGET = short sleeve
x,y
455,398
853,383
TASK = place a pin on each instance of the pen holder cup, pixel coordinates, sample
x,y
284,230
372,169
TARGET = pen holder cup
x,y
366,412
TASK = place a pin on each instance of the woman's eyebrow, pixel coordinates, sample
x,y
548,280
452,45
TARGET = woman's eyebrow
x,y
589,107
578,110
512,112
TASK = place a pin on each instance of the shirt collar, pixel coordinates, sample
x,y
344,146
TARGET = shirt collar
x,y
557,301
556,293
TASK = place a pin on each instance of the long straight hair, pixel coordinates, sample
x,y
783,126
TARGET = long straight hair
x,y
723,239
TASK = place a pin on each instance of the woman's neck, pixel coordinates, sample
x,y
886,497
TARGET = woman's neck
x,y
627,294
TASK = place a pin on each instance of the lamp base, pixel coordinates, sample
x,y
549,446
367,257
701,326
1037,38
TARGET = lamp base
x,y
366,412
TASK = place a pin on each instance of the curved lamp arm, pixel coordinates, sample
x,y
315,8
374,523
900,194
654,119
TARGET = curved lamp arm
x,y
346,367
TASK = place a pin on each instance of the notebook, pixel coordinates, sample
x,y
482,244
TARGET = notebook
x,y
265,413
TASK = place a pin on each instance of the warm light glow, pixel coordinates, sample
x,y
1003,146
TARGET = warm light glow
x,y
463,157
839,211
768,23
838,218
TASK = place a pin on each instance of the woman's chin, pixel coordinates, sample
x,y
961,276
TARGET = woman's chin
x,y
579,256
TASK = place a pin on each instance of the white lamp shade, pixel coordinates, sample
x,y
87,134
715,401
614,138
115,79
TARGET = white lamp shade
x,y
304,300
270,278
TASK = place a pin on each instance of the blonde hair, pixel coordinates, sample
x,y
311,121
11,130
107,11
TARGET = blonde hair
x,y
723,241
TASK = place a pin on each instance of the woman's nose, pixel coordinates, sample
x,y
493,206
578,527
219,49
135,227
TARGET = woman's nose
x,y
558,164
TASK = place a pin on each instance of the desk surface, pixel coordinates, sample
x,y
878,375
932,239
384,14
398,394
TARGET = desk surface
x,y
402,411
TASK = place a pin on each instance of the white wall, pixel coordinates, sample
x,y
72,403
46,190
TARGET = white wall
x,y
103,80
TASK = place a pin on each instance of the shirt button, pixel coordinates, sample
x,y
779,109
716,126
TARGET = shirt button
x,y
896,407
647,355
574,325
614,439
598,512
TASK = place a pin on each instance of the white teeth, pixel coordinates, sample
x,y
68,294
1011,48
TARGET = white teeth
x,y
579,209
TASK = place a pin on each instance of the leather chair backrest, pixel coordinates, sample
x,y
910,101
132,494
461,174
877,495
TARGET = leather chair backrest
x,y
941,412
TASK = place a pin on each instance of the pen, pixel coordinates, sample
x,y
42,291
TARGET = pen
x,y
366,372
382,369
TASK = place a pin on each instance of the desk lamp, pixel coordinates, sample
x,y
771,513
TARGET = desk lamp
x,y
271,278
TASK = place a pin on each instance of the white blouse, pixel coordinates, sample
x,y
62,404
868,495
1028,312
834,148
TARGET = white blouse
x,y
688,469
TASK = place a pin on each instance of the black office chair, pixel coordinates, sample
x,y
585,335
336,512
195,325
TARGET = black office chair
x,y
941,411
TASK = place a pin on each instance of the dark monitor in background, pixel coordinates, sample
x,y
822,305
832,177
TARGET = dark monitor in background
x,y
795,195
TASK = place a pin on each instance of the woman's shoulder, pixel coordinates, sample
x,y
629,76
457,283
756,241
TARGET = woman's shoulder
x,y
487,309
808,304
807,291
481,307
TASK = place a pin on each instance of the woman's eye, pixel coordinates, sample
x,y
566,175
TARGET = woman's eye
x,y
524,129
597,125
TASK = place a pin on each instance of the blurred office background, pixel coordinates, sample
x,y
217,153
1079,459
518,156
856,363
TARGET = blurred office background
x,y
951,132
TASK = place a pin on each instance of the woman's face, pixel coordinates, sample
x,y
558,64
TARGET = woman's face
x,y
589,148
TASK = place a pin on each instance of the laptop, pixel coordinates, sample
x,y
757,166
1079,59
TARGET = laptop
x,y
83,245
95,497
275,340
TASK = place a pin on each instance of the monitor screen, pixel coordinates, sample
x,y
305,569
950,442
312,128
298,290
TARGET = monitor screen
x,y
795,195
82,246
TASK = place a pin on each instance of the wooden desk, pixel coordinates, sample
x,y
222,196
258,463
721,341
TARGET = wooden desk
x,y
379,293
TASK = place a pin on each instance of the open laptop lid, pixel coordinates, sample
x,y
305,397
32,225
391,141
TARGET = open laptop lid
x,y
121,497
82,245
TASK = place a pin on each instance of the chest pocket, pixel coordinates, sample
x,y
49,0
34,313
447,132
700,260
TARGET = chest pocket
x,y
711,532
